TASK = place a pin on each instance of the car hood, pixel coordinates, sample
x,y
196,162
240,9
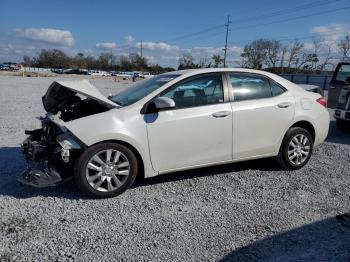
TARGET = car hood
x,y
62,91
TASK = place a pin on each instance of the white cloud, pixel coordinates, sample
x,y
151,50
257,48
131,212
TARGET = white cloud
x,y
48,35
107,45
158,46
129,39
332,32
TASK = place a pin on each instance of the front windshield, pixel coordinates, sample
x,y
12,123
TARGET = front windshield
x,y
141,89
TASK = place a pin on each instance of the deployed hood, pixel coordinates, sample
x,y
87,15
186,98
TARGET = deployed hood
x,y
61,93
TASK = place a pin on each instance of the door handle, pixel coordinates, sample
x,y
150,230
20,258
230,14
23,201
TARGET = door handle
x,y
284,105
221,114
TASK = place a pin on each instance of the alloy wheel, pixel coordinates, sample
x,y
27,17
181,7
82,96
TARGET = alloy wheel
x,y
107,170
299,149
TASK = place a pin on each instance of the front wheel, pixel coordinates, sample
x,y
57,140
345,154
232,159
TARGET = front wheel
x,y
296,148
105,170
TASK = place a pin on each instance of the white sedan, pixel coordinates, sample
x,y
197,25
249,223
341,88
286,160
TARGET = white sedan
x,y
174,121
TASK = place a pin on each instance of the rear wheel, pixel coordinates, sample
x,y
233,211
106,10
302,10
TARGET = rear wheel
x,y
296,148
105,170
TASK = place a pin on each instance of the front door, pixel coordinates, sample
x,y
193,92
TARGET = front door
x,y
340,80
197,131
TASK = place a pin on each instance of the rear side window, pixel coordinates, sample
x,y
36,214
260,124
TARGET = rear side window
x,y
249,87
276,89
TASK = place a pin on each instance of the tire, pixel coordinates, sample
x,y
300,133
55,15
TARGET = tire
x,y
343,125
289,156
101,166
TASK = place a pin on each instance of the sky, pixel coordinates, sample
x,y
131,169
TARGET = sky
x,y
167,28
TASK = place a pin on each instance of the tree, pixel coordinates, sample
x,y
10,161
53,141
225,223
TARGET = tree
x,y
344,48
217,59
90,62
327,59
283,54
186,62
53,58
295,50
124,63
27,61
254,54
273,53
138,62
204,63
103,61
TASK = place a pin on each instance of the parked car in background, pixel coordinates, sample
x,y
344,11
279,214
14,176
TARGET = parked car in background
x,y
145,75
57,70
76,71
339,95
170,122
10,66
5,67
98,73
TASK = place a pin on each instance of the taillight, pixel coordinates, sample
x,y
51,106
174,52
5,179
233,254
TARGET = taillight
x,y
322,101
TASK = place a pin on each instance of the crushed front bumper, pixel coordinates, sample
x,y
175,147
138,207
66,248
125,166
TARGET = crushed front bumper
x,y
48,159
39,177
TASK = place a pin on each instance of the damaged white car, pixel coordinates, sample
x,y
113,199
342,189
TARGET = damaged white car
x,y
174,121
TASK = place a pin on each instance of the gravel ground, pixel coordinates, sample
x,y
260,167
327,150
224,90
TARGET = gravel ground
x,y
237,212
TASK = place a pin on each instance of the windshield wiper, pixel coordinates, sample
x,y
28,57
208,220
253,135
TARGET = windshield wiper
x,y
110,98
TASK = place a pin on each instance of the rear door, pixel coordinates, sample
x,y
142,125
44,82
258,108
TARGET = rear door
x,y
262,111
338,83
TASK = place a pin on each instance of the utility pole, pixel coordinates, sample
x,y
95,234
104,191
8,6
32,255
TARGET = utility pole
x,y
141,48
227,30
111,57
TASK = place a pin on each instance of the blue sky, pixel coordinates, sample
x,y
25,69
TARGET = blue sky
x,y
167,28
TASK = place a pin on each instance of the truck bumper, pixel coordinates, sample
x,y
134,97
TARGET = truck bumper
x,y
342,114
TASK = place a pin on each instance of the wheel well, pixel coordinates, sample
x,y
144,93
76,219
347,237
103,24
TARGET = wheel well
x,y
141,171
307,126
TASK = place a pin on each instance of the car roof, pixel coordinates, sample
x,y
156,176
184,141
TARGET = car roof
x,y
215,70
192,72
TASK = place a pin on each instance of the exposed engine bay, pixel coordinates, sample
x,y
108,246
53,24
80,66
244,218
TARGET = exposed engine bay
x,y
51,151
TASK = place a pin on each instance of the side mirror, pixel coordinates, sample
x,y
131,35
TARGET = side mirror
x,y
164,103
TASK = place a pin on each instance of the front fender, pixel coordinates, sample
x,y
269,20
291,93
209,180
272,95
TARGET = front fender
x,y
114,125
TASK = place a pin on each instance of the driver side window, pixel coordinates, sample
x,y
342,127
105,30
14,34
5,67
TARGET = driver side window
x,y
197,91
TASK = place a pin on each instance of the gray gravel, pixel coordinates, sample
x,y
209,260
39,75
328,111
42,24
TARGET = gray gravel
x,y
246,211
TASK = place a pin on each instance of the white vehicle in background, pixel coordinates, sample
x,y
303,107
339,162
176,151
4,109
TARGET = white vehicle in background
x,y
98,73
170,122
145,74
126,75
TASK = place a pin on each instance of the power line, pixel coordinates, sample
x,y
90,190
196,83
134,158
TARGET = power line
x,y
287,11
195,33
141,48
303,36
200,34
296,18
